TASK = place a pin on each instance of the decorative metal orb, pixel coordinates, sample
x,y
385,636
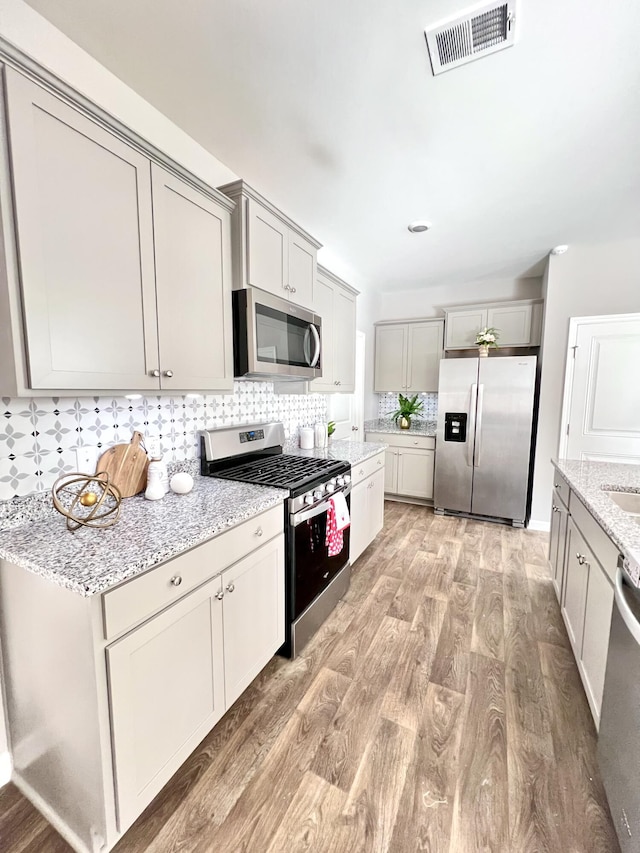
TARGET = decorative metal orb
x,y
87,500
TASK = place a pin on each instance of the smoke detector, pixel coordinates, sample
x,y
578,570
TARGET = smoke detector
x,y
472,34
418,226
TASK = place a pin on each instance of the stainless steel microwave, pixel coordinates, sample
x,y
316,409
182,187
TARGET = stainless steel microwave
x,y
273,338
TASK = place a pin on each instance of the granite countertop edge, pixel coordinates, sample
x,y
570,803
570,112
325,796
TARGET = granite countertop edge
x,y
386,425
591,481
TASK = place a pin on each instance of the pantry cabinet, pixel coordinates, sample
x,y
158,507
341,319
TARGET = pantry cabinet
x,y
123,269
335,302
409,464
519,323
407,356
367,504
589,561
270,251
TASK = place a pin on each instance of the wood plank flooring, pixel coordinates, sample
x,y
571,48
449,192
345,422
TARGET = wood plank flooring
x,y
438,709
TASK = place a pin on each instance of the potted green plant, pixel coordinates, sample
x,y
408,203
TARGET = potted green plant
x,y
331,428
485,339
407,408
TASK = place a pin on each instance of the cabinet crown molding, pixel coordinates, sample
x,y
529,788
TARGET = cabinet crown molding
x,y
504,303
325,273
412,321
237,189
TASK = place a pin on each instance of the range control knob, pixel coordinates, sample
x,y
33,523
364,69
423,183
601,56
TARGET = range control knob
x,y
347,479
317,495
330,488
308,498
320,489
340,481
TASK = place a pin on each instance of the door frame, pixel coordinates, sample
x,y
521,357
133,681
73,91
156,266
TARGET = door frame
x,y
574,324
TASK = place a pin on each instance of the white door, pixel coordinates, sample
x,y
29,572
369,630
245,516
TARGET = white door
x,y
602,392
347,410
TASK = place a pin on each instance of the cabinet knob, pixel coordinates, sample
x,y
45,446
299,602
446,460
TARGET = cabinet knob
x,y
231,586
176,580
259,531
168,373
286,287
361,471
155,373
556,485
416,441
370,486
292,289
220,595
581,559
554,508
379,461
336,382
354,429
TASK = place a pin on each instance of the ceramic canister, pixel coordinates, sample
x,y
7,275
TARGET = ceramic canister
x,y
306,438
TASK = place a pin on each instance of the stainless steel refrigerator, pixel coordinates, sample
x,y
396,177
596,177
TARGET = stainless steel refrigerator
x,y
483,444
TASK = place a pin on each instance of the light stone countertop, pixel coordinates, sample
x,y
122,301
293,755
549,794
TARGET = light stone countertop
x,y
342,450
418,427
591,481
147,533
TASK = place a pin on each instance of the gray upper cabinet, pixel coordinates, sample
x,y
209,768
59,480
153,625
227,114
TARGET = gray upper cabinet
x,y
124,268
408,356
519,323
335,302
83,219
193,283
270,251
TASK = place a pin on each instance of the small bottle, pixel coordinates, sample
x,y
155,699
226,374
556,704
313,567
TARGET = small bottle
x,y
157,479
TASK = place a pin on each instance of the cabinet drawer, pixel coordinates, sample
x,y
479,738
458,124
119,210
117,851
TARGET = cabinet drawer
x,y
603,548
393,439
561,487
129,604
364,469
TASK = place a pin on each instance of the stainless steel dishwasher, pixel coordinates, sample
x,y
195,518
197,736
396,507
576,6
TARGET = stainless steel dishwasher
x,y
619,736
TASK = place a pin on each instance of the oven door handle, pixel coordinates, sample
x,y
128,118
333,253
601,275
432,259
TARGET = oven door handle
x,y
306,514
625,611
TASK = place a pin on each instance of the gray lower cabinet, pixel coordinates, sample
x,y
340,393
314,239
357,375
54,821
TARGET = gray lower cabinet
x,y
583,562
409,464
124,269
367,504
114,691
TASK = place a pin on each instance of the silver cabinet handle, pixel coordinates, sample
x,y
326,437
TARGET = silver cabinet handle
x,y
220,595
336,382
292,289
581,559
155,373
554,508
370,486
168,373
176,580
259,532
355,429
231,586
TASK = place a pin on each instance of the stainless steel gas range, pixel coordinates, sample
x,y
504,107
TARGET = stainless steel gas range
x,y
314,580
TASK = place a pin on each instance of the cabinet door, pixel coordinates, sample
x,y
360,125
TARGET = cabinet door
x,y
391,471
575,587
391,358
597,625
461,327
166,692
302,270
253,615
344,340
423,356
84,227
376,504
359,511
323,305
193,284
558,547
513,324
415,473
267,250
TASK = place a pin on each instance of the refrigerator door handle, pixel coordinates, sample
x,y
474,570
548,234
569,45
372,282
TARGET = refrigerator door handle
x,y
479,426
472,423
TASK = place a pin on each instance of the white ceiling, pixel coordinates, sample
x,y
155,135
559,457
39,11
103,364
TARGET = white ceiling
x,y
330,109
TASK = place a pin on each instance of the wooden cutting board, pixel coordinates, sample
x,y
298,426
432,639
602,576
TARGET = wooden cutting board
x,y
126,465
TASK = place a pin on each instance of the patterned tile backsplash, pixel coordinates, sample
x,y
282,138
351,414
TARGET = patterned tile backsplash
x,y
388,403
38,436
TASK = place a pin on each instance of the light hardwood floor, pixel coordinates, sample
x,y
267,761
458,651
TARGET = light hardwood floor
x,y
438,709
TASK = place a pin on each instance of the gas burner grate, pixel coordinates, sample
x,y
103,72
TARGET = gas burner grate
x,y
282,470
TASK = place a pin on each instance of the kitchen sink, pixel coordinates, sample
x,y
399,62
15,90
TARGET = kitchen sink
x,y
628,502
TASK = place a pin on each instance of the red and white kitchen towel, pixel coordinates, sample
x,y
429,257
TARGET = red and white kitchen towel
x,y
337,521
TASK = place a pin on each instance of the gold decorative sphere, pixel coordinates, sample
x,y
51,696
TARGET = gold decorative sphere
x,y
87,501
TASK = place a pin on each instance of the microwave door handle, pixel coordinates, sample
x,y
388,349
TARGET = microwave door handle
x,y
306,348
316,340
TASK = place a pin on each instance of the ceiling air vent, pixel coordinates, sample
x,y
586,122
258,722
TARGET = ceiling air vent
x,y
476,32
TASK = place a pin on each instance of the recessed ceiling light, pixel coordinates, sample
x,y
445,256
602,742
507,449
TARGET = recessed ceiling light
x,y
559,250
419,226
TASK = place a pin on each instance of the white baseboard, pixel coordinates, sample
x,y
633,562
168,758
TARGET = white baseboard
x,y
543,526
6,766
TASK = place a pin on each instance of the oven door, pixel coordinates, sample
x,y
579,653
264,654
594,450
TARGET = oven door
x,y
273,337
312,568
